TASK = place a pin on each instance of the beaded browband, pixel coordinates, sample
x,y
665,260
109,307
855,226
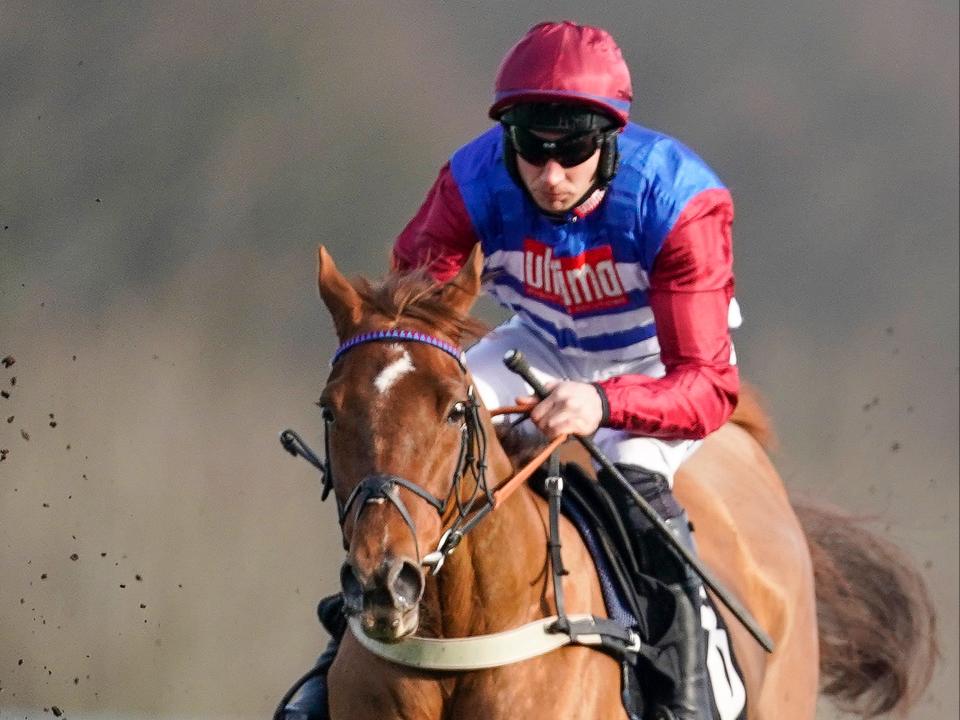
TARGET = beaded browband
x,y
406,336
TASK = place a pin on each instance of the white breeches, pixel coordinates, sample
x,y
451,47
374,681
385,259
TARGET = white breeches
x,y
499,387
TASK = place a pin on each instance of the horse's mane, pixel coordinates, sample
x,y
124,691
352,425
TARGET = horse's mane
x,y
417,296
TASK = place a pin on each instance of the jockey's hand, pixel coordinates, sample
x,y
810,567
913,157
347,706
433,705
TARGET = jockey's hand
x,y
572,408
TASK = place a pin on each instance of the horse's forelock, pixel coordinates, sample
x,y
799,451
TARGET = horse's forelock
x,y
417,296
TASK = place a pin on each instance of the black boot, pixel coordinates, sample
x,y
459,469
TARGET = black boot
x,y
683,649
693,694
307,699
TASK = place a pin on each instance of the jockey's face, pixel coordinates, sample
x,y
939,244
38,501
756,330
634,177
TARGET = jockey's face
x,y
553,187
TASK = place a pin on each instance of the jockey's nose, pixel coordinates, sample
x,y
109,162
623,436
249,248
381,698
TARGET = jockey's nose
x,y
396,583
553,173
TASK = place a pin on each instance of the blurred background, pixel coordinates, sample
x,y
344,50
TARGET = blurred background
x,y
167,170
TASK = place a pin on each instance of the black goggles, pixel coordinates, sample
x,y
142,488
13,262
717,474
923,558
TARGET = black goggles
x,y
569,150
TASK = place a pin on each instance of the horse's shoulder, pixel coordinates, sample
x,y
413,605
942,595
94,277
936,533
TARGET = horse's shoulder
x,y
746,528
731,465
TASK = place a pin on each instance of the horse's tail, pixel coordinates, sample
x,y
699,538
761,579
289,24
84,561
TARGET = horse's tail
x,y
876,620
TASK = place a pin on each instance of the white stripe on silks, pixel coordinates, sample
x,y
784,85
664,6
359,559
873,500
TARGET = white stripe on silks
x,y
509,261
641,351
583,327
632,276
394,371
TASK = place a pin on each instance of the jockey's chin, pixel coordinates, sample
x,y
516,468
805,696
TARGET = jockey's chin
x,y
389,624
555,203
555,188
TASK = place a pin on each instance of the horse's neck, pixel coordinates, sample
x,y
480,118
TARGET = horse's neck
x,y
496,580
498,576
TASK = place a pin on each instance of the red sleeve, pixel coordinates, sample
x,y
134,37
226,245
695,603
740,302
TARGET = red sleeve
x,y
440,236
691,285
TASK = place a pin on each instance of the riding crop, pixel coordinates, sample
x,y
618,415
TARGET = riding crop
x,y
515,361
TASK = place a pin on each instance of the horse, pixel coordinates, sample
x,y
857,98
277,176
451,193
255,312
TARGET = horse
x,y
412,454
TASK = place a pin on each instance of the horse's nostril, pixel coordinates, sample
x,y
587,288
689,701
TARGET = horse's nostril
x,y
408,585
352,589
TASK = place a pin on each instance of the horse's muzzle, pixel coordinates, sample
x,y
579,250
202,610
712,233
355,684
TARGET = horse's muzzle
x,y
387,600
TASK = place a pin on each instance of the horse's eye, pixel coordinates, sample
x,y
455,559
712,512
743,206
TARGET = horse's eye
x,y
326,413
457,413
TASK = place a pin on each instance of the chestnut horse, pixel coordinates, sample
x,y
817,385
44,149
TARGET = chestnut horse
x,y
396,410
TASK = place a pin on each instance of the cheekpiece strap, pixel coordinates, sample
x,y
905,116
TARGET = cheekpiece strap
x,y
403,336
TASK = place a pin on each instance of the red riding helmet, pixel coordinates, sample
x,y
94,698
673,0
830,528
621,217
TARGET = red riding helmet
x,y
565,63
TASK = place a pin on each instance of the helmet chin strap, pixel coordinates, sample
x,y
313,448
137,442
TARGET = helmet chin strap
x,y
596,185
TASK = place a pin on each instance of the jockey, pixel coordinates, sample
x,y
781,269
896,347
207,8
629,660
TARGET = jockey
x,y
611,244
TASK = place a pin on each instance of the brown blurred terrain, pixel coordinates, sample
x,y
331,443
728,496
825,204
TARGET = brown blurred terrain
x,y
166,172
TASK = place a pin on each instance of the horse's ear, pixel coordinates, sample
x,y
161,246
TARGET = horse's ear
x,y
460,293
340,297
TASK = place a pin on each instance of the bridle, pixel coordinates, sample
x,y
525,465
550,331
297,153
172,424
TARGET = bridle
x,y
382,487
527,641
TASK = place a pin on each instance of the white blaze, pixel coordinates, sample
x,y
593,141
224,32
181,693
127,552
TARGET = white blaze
x,y
394,371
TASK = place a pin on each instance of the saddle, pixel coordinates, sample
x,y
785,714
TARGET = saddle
x,y
634,598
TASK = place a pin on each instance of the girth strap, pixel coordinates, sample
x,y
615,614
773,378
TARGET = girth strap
x,y
607,634
504,648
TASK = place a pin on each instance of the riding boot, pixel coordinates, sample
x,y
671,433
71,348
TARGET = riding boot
x,y
690,698
307,699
